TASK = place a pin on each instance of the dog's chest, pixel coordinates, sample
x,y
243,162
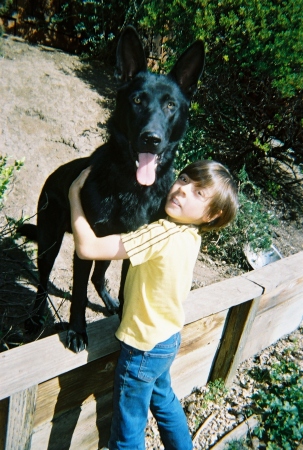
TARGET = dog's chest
x,y
125,211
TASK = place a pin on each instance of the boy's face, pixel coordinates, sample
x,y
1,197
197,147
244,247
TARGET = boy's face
x,y
188,204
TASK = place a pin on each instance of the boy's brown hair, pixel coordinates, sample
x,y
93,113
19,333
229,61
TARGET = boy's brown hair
x,y
224,204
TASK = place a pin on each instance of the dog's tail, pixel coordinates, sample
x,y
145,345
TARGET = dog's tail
x,y
28,230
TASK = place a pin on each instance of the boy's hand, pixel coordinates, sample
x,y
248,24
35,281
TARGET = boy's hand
x,y
78,183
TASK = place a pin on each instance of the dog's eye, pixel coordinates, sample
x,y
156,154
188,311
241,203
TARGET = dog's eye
x,y
171,105
137,100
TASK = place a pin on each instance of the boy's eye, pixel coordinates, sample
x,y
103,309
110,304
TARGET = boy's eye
x,y
182,178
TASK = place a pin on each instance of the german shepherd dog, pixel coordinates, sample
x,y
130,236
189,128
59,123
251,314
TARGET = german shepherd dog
x,y
130,177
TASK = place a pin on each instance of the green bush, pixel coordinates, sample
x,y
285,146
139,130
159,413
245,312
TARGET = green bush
x,y
280,405
253,226
6,7
6,175
251,90
96,24
240,444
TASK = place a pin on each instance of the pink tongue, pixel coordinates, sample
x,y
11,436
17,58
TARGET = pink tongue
x,y
146,172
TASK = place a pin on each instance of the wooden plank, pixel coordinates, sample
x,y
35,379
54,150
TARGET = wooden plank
x,y
27,365
3,421
22,407
21,367
219,297
238,326
74,410
239,432
273,275
273,323
200,341
72,389
283,293
234,291
86,427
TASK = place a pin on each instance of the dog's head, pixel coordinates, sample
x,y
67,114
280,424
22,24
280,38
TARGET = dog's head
x,y
151,110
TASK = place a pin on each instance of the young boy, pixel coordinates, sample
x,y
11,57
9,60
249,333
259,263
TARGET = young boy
x,y
162,256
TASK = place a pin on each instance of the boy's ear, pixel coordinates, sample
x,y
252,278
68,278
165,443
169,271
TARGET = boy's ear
x,y
216,216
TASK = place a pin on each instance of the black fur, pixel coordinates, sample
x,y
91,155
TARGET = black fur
x,y
150,118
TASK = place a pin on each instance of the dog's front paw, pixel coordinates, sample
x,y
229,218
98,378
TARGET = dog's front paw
x,y
111,303
76,341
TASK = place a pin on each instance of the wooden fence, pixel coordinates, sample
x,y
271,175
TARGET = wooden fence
x,y
51,398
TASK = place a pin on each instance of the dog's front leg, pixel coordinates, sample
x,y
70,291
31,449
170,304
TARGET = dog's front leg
x,y
98,280
76,336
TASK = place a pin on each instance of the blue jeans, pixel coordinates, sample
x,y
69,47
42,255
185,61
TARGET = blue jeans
x,y
142,381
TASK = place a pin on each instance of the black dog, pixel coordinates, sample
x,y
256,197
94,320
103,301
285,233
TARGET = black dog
x,y
130,177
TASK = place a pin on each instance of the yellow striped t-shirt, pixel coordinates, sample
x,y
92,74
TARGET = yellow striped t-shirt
x,y
162,256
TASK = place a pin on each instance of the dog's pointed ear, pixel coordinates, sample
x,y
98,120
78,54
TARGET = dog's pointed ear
x,y
130,57
189,68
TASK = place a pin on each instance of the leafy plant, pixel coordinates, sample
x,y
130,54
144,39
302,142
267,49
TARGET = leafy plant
x,y
252,226
216,391
211,394
237,444
273,188
6,175
6,7
281,406
95,23
9,336
251,91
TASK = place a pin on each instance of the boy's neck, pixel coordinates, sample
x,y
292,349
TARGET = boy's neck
x,y
192,225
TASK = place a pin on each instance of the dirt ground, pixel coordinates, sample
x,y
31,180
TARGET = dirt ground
x,y
53,109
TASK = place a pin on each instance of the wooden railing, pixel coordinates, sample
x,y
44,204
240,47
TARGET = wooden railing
x,y
51,398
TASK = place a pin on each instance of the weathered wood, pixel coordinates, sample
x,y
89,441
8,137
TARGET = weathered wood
x,y
72,389
239,432
200,341
237,330
234,291
275,318
283,293
22,407
86,428
74,410
27,365
204,425
280,272
219,297
21,367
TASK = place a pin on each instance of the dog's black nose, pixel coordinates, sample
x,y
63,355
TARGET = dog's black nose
x,y
150,138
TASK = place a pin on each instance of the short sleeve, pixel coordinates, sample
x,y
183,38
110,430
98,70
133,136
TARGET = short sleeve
x,y
148,242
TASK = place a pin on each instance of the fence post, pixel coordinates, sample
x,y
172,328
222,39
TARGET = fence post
x,y
237,329
21,413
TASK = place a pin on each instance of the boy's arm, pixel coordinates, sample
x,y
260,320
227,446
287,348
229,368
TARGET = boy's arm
x,y
87,244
